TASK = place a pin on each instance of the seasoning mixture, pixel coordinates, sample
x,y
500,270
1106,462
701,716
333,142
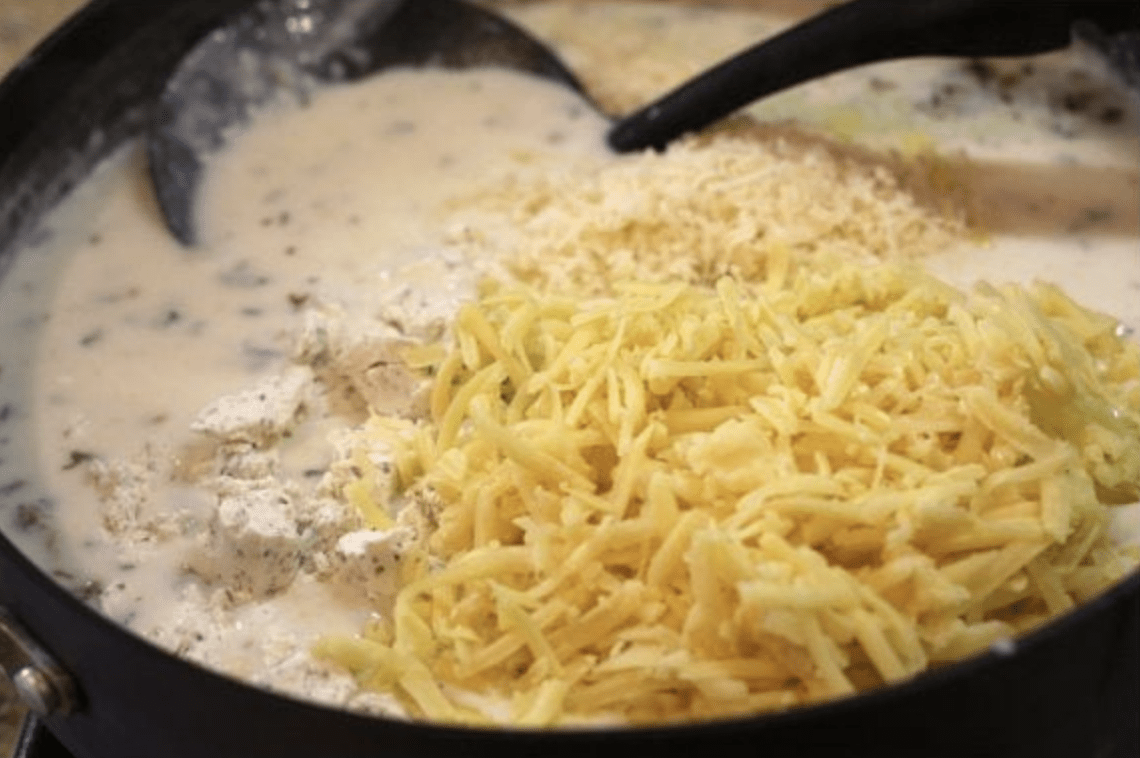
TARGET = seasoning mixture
x,y
344,344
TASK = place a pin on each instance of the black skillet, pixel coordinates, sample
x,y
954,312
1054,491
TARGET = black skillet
x,y
1070,690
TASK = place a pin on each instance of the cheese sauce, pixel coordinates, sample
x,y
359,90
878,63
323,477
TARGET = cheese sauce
x,y
344,203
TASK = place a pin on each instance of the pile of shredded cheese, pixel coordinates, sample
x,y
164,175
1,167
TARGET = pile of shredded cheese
x,y
710,445
685,502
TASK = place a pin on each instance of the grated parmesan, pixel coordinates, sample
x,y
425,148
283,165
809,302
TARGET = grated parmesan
x,y
738,205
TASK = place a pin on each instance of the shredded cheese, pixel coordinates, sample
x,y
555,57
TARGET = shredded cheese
x,y
684,501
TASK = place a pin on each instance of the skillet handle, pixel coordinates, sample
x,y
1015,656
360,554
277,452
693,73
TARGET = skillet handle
x,y
866,31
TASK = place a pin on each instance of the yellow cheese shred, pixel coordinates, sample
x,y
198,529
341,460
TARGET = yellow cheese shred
x,y
686,500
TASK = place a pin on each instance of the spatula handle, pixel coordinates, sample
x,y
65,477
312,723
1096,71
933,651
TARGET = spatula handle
x,y
865,31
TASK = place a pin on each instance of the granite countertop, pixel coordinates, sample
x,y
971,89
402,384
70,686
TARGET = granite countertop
x,y
24,22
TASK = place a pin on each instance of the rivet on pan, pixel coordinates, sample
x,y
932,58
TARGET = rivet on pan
x,y
42,685
36,691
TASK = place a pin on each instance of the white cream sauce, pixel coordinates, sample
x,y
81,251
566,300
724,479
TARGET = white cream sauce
x,y
135,335
342,203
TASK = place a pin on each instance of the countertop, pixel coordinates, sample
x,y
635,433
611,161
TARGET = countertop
x,y
24,22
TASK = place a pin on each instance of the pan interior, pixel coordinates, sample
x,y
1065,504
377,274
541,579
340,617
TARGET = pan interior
x,y
99,448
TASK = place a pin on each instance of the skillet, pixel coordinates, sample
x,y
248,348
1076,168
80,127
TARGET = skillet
x,y
1070,689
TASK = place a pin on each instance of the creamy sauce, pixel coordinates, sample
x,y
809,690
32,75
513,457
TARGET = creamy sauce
x,y
343,205
134,314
